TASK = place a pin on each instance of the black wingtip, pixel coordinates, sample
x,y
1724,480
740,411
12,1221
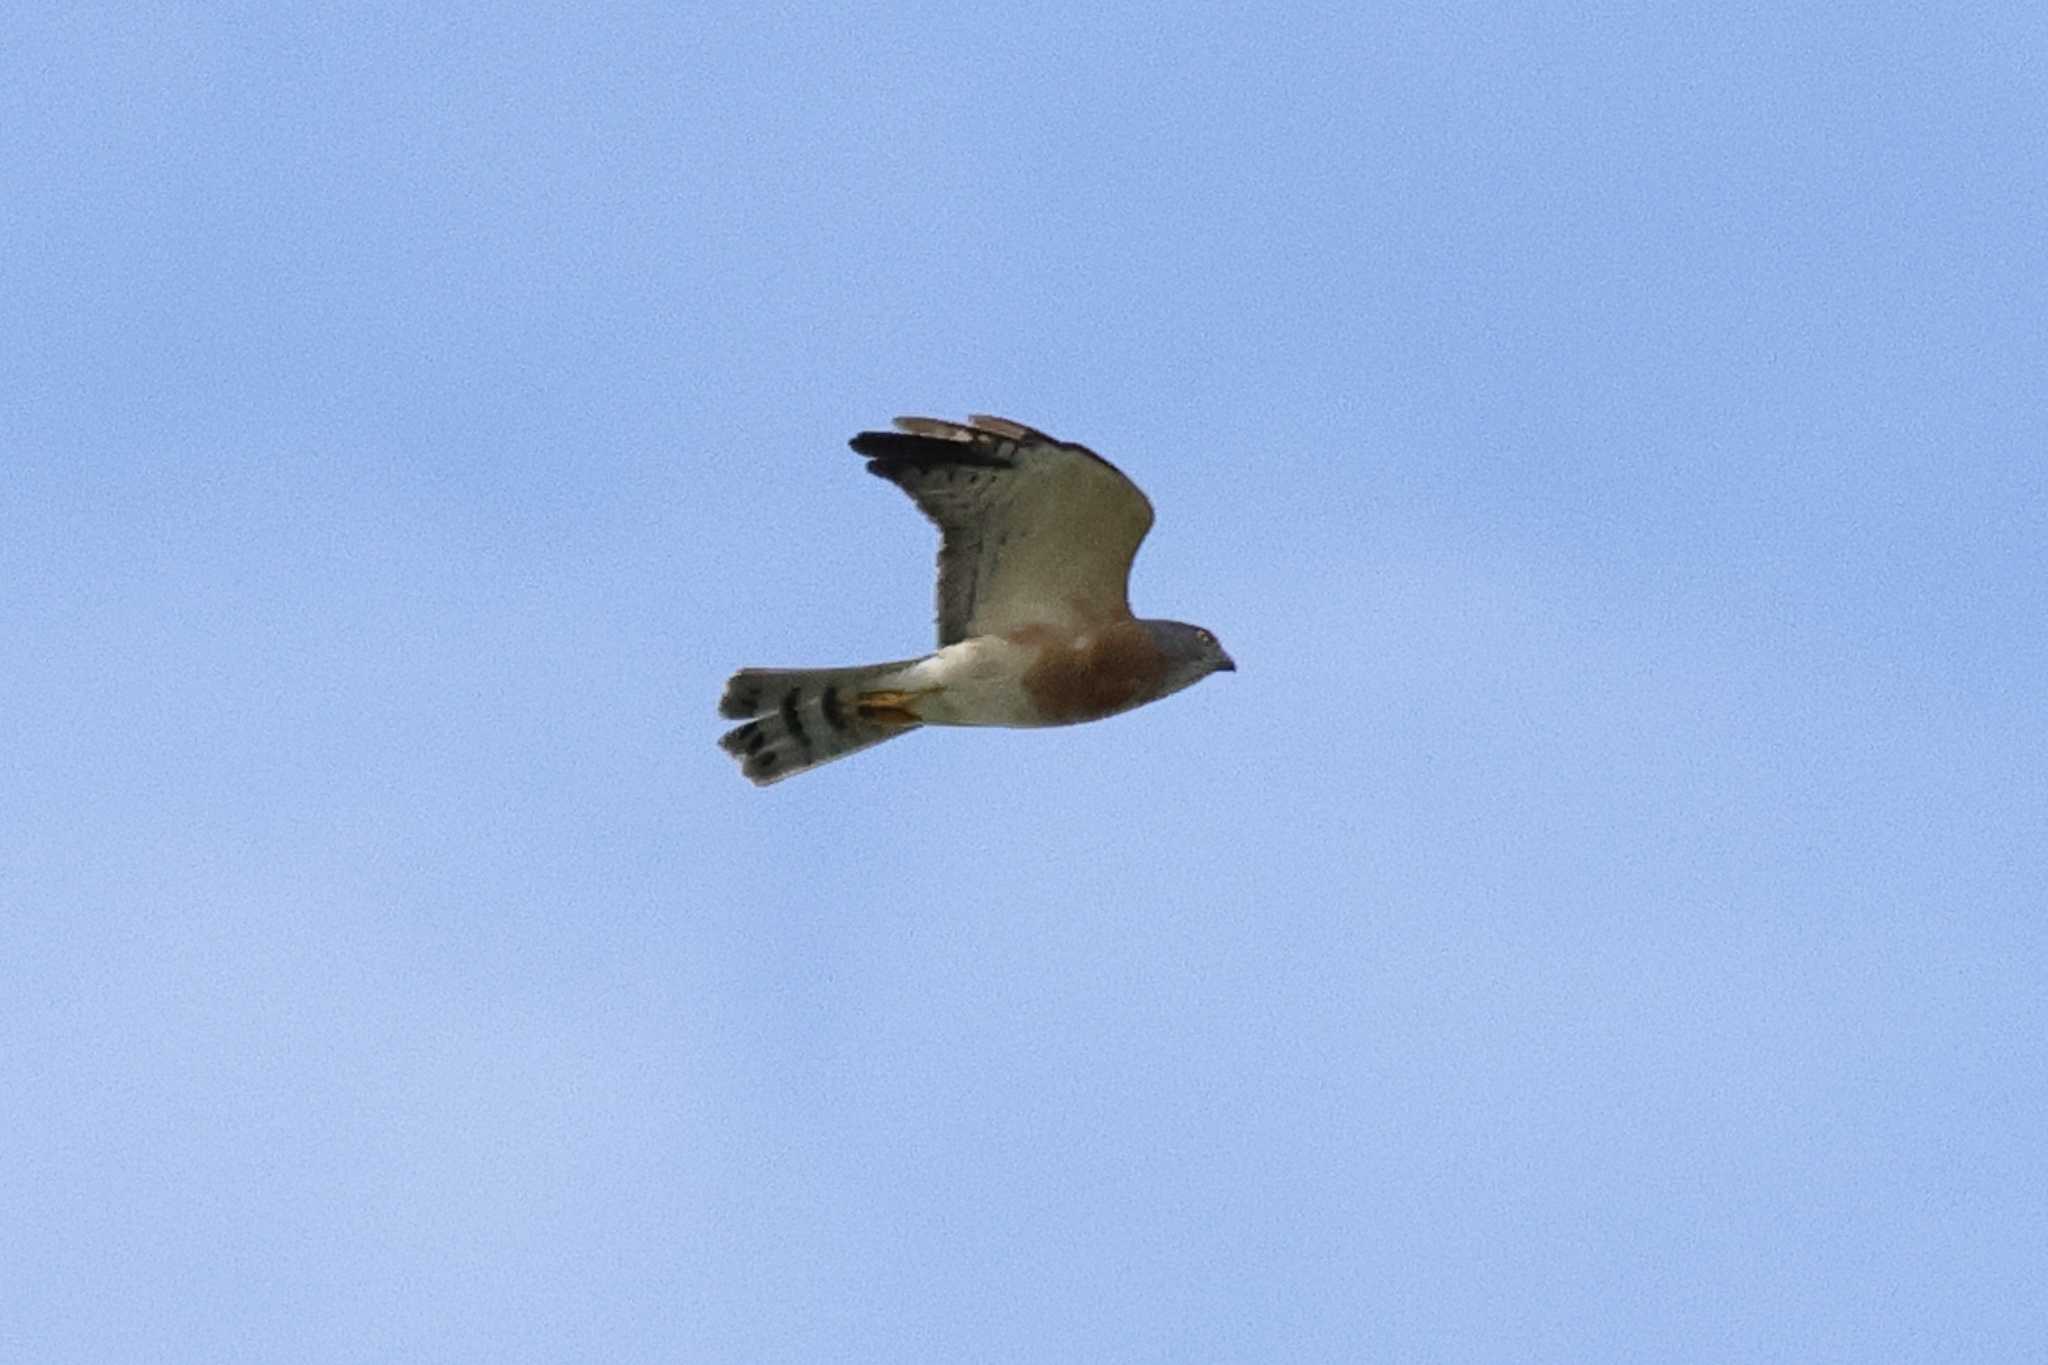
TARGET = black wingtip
x,y
897,449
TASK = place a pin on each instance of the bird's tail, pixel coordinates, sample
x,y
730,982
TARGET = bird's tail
x,y
797,718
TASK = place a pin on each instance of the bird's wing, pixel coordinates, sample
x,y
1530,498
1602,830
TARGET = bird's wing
x,y
1034,531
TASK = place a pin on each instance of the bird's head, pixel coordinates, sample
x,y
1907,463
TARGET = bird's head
x,y
1192,653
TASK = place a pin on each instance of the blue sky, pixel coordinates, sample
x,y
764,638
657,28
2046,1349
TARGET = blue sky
x,y
1601,920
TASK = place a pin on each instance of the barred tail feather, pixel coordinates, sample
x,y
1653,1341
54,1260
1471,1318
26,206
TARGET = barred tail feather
x,y
798,718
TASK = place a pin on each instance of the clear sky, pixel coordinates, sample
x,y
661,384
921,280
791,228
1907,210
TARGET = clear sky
x,y
1601,920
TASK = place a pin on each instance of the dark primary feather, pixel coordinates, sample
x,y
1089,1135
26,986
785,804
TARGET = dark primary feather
x,y
894,453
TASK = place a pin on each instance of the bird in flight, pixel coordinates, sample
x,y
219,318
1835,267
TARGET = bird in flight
x,y
1035,627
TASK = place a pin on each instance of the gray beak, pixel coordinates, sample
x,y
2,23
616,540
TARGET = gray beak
x,y
1229,665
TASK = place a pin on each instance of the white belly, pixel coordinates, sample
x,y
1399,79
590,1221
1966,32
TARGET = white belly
x,y
980,682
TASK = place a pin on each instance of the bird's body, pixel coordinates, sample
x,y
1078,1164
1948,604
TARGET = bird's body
x,y
1035,627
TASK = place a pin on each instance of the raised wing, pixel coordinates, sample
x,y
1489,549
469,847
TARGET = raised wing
x,y
1034,531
